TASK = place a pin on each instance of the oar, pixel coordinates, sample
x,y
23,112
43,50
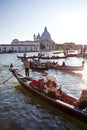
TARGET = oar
x,y
45,73
6,80
9,78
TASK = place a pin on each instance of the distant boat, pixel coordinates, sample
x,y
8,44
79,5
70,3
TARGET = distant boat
x,y
53,57
70,53
57,52
37,67
65,67
29,57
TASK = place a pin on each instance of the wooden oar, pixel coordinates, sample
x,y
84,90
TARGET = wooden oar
x,y
6,80
9,78
45,73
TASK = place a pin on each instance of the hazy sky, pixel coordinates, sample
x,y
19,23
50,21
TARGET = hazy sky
x,y
66,20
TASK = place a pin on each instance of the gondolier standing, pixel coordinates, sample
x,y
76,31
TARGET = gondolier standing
x,y
39,56
26,66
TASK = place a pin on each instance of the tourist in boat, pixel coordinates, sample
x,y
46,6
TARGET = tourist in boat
x,y
52,89
32,63
63,64
39,84
83,63
26,66
42,84
83,100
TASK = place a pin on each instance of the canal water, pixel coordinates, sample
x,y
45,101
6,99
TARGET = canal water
x,y
20,110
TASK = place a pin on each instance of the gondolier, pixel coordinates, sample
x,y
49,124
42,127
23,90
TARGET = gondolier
x,y
26,66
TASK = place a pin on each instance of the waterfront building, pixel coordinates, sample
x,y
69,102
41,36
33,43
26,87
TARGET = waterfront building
x,y
20,46
43,42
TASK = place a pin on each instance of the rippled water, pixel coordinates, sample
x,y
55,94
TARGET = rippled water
x,y
20,110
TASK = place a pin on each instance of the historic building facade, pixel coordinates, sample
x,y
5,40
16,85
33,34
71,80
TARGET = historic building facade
x,y
43,42
20,46
46,43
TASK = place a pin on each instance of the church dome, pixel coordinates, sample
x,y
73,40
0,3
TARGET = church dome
x,y
46,34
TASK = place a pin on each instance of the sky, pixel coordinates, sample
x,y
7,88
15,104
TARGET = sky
x,y
66,20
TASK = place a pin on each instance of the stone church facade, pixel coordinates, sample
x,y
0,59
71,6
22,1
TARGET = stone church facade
x,y
39,43
46,43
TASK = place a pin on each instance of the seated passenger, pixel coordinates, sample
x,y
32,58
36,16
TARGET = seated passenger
x,y
63,64
51,88
83,100
54,87
34,83
83,63
41,84
47,86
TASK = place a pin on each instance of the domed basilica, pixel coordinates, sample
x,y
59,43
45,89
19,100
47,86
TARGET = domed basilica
x,y
46,43
43,42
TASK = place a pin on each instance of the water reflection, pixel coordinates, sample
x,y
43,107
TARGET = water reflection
x,y
21,110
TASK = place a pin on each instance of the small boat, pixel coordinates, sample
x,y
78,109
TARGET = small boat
x,y
57,52
71,55
35,65
53,57
66,67
30,57
62,102
39,67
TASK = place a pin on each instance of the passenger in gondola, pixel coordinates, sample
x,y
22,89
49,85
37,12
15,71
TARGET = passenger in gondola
x,y
52,89
63,64
38,84
32,63
41,83
83,100
83,63
34,83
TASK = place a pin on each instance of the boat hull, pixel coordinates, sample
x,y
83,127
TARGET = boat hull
x,y
53,57
58,104
38,68
68,68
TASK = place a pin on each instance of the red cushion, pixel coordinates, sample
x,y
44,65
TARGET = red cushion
x,y
34,83
40,80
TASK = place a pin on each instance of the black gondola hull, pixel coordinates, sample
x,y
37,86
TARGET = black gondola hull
x,y
60,105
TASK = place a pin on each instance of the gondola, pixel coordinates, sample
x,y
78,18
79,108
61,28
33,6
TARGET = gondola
x,y
30,57
62,102
65,67
68,68
39,67
53,57
58,52
71,55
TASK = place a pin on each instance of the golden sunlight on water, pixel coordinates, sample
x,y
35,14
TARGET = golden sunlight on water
x,y
19,111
